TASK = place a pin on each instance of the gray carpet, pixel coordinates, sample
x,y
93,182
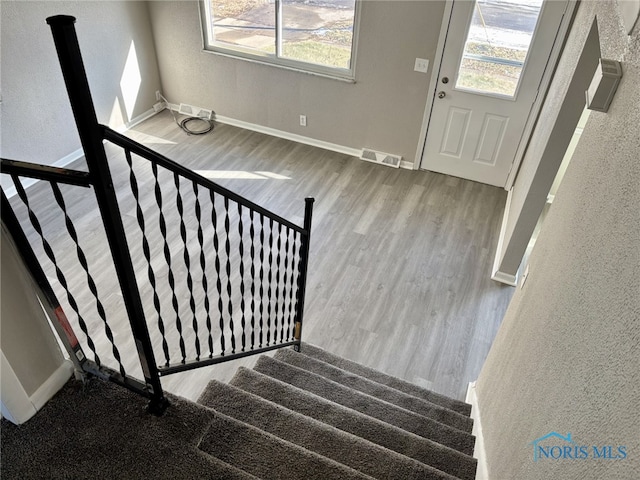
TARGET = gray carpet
x,y
300,415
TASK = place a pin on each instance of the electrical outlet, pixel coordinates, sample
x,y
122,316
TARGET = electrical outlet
x,y
303,120
158,95
422,65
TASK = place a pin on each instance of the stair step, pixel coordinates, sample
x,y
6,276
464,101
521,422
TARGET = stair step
x,y
359,424
399,384
267,456
357,453
375,389
409,421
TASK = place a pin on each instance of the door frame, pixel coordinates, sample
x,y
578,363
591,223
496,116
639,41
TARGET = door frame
x,y
543,88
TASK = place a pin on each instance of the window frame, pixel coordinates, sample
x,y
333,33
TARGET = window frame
x,y
210,45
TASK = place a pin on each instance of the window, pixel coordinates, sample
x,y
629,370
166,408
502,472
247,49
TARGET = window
x,y
316,36
497,44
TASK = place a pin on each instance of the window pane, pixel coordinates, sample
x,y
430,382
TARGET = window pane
x,y
245,23
497,45
318,31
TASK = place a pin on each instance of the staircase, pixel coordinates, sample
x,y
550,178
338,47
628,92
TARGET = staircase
x,y
314,415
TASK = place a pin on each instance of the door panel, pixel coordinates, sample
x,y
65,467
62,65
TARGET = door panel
x,y
493,60
491,139
455,132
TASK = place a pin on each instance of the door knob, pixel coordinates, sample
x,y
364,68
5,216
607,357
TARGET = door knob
x,y
441,94
445,79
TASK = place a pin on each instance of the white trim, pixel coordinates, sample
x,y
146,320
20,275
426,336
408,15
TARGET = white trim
x,y
294,137
16,406
479,452
52,385
433,84
407,165
506,278
79,153
496,274
353,152
137,120
543,89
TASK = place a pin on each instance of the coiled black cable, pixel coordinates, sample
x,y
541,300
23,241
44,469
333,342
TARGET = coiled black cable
x,y
205,125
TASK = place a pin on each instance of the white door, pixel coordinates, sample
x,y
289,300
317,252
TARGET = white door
x,y
493,60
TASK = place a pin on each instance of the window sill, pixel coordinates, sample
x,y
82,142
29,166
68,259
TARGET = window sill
x,y
281,66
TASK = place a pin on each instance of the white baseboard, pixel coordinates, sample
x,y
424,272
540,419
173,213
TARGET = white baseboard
x,y
496,274
136,120
479,453
17,406
354,152
52,385
505,278
254,127
79,153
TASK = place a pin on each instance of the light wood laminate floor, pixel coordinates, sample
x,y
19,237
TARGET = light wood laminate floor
x,y
399,274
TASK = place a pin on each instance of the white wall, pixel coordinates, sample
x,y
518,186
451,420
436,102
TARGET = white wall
x,y
567,356
383,110
37,124
32,365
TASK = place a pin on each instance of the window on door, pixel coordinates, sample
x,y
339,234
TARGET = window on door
x,y
309,35
497,44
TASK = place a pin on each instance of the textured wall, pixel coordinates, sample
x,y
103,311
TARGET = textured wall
x,y
567,356
383,110
37,124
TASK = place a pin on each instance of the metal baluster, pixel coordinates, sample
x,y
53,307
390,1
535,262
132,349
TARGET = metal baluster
x,y
269,276
147,254
241,251
85,266
61,278
203,265
291,279
284,287
253,279
187,261
216,244
227,249
277,297
167,256
261,275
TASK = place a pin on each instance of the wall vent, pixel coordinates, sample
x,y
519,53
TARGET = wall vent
x,y
198,112
381,158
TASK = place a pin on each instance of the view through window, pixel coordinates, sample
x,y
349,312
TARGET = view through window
x,y
497,44
315,35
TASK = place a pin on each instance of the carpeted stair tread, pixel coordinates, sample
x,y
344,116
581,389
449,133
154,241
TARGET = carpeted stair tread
x,y
378,390
377,431
383,378
412,422
357,453
266,456
99,430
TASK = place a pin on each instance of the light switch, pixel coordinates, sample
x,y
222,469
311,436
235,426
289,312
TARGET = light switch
x,y
422,65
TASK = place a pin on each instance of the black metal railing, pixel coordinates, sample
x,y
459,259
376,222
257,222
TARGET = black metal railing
x,y
205,275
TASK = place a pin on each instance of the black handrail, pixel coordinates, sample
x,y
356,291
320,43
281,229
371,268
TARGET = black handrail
x,y
46,172
155,157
